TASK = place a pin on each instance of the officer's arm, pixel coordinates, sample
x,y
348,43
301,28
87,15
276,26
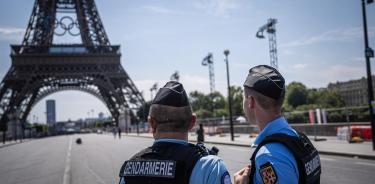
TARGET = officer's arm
x,y
219,174
275,164
210,170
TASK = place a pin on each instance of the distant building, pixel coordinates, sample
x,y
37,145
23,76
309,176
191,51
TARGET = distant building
x,y
51,111
100,119
67,127
101,115
354,92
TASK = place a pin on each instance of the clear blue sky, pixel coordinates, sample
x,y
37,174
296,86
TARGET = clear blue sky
x,y
319,41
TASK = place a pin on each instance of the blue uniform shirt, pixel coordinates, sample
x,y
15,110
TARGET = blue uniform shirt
x,y
208,170
275,157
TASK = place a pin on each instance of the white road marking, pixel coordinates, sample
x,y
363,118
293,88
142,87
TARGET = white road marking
x,y
245,149
66,179
365,163
240,149
327,159
98,178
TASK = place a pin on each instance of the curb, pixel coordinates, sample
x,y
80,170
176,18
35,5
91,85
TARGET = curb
x,y
11,144
351,155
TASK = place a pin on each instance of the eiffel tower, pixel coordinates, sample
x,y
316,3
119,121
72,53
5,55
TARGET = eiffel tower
x,y
41,67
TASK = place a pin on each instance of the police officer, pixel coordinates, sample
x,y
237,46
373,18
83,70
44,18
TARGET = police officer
x,y
171,159
282,155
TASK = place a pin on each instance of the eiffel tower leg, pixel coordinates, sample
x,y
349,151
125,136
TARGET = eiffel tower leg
x,y
8,112
3,106
15,131
16,106
4,136
113,100
4,85
3,88
28,106
3,109
109,102
4,124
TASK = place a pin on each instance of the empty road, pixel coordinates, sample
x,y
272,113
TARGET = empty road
x,y
59,160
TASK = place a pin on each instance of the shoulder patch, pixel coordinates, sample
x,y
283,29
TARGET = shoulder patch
x,y
268,173
225,178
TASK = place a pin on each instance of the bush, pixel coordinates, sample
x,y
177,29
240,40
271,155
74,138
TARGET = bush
x,y
336,116
297,118
202,113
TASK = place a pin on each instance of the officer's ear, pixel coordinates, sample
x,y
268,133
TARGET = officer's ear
x,y
152,123
251,102
192,122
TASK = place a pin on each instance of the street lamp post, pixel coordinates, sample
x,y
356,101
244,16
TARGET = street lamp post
x,y
226,53
153,88
369,53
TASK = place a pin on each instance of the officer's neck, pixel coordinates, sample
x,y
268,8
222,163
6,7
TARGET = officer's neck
x,y
171,135
264,118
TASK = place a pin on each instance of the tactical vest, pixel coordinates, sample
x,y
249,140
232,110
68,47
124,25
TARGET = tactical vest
x,y
307,157
163,163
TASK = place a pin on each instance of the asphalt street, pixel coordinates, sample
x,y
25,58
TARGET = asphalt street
x,y
60,160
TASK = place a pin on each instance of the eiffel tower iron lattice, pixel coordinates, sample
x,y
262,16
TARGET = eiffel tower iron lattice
x,y
40,67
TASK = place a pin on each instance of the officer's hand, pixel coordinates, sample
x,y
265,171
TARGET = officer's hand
x,y
242,176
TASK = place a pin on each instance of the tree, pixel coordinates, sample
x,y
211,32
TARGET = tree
x,y
237,98
199,100
330,99
325,98
217,101
203,113
143,111
296,94
221,112
215,104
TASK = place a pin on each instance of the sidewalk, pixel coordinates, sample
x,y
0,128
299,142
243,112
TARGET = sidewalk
x,y
332,146
12,142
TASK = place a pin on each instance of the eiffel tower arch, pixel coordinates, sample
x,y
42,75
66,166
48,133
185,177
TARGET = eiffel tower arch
x,y
41,67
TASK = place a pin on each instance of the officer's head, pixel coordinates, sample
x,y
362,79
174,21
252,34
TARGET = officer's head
x,y
264,91
170,110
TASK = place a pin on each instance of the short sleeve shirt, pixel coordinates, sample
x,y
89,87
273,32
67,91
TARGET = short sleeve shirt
x,y
274,161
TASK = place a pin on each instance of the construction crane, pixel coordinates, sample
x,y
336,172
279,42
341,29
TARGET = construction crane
x,y
271,30
208,60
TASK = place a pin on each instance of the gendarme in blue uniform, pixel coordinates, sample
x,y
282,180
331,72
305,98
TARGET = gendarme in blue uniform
x,y
208,169
277,155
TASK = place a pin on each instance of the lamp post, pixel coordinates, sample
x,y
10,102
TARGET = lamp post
x,y
226,53
368,54
153,88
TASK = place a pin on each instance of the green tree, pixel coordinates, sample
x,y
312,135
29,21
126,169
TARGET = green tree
x,y
296,94
199,100
221,112
209,102
217,101
325,98
237,98
215,104
330,99
210,105
144,110
203,113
